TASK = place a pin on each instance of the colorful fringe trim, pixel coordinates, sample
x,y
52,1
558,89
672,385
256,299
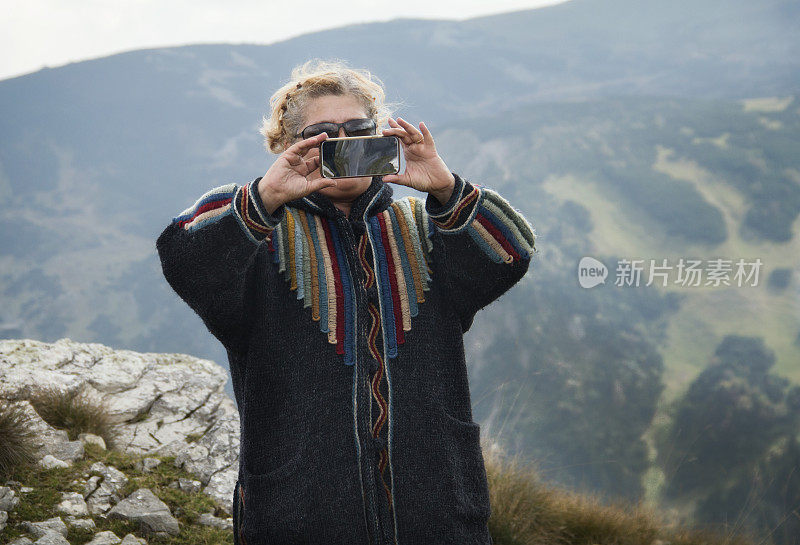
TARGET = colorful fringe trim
x,y
401,235
307,249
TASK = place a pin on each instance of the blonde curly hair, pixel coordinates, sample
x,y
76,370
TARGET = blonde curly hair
x,y
316,78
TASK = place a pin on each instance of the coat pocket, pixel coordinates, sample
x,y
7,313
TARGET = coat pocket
x,y
467,479
272,506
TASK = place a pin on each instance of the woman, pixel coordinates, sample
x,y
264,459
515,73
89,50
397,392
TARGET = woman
x,y
342,312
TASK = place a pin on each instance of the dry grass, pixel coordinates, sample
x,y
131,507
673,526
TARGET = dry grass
x,y
74,411
526,511
17,446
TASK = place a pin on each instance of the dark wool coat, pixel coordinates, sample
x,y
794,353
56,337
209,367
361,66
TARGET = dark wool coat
x,y
345,341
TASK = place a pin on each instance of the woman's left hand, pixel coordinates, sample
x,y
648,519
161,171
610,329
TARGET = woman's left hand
x,y
425,170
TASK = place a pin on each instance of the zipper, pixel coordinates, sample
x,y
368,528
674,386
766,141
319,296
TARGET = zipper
x,y
344,227
381,311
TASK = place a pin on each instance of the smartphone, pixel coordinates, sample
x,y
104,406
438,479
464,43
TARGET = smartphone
x,y
353,156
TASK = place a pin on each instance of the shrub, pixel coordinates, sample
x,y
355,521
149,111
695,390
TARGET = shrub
x,y
17,445
74,411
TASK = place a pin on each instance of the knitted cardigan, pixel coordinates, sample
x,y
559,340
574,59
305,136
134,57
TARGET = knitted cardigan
x,y
345,341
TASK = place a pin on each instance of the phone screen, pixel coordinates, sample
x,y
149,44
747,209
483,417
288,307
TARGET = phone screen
x,y
359,156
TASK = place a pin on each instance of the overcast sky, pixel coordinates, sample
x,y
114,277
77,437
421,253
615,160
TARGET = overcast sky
x,y
39,33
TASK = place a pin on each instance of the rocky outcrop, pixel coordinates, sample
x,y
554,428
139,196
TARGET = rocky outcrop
x,y
163,404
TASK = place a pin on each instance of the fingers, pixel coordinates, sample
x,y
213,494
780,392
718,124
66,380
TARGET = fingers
x,y
295,152
299,152
321,183
411,129
425,132
311,153
310,142
312,164
400,133
407,132
396,179
312,159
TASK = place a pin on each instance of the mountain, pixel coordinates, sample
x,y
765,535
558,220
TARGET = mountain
x,y
622,130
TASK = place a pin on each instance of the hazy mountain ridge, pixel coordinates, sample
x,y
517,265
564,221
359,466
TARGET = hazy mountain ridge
x,y
545,105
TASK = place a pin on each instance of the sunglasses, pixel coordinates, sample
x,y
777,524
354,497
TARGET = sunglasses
x,y
352,127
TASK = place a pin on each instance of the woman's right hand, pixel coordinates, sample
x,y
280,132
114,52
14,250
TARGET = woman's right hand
x,y
287,180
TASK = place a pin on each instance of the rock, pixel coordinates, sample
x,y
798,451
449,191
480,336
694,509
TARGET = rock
x,y
208,519
13,483
72,503
172,396
8,499
187,485
148,464
102,491
131,539
21,541
68,451
50,461
214,457
220,487
98,498
144,507
52,538
112,476
80,523
39,529
92,439
105,538
3,520
24,489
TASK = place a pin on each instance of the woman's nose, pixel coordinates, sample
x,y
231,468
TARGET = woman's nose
x,y
342,134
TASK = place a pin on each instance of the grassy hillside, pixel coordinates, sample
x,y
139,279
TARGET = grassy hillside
x,y
709,313
584,380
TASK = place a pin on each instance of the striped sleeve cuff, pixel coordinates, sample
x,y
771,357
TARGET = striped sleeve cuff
x,y
250,210
212,206
500,230
243,202
459,208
